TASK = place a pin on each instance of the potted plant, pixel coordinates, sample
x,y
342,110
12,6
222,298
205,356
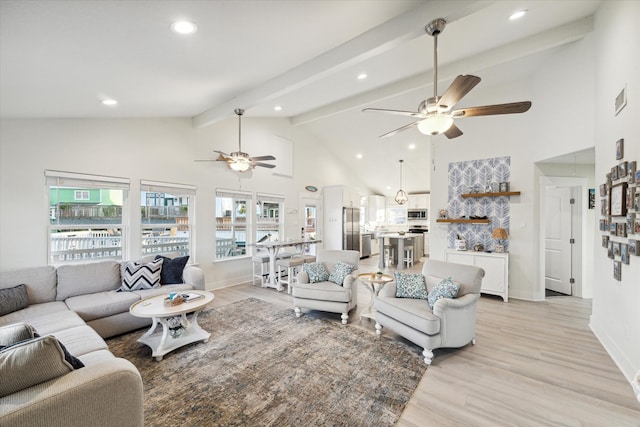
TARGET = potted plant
x,y
461,244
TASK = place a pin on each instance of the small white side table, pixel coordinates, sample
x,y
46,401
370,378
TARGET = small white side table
x,y
162,342
375,284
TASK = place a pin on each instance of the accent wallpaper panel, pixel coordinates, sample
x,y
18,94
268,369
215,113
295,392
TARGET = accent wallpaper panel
x,y
478,176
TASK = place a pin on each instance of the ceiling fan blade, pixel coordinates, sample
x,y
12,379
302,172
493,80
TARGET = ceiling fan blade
x,y
264,165
490,110
453,132
461,86
221,153
205,160
396,112
262,158
403,128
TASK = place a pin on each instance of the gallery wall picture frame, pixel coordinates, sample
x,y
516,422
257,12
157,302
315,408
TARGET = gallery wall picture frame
x,y
603,190
638,177
636,226
617,270
622,170
636,201
610,250
634,247
605,241
592,198
614,173
624,253
631,171
631,192
618,199
620,149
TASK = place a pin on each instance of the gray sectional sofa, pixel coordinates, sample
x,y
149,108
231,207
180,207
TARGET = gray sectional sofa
x,y
80,306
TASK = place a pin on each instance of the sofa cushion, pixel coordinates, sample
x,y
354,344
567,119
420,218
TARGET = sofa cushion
x,y
48,324
141,276
81,340
410,285
317,272
446,288
31,362
87,278
34,310
11,334
412,312
172,269
101,304
40,282
13,299
340,271
326,291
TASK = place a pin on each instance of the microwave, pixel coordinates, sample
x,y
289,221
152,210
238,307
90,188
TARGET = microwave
x,y
417,214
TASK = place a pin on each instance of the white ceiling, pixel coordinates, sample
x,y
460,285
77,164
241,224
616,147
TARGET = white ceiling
x,y
59,58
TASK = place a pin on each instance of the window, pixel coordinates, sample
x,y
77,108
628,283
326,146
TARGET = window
x,y
268,216
166,217
233,222
85,216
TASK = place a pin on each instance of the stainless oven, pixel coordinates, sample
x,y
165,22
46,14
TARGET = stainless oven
x,y
417,214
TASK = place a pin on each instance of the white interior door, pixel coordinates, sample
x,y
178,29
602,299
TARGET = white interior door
x,y
557,250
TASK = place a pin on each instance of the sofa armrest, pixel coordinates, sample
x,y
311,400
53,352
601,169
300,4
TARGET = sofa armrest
x,y
105,393
389,290
457,319
193,275
350,279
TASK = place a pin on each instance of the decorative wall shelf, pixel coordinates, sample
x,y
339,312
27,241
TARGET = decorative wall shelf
x,y
466,221
494,194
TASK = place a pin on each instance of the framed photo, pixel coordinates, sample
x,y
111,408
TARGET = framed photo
x,y
622,170
624,253
609,179
631,172
605,241
631,192
631,217
614,173
592,198
603,190
613,228
634,247
504,187
620,149
636,226
610,250
636,202
618,199
637,177
621,229
617,273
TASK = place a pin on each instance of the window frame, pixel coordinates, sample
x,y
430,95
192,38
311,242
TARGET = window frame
x,y
270,198
222,246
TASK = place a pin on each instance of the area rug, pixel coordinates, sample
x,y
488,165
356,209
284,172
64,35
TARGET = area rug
x,y
264,367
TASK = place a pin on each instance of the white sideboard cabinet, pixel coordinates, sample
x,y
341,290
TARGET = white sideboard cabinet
x,y
495,266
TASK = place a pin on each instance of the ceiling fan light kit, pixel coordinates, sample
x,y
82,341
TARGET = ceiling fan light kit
x,y
435,115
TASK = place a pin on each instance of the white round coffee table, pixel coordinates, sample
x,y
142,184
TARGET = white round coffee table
x,y
177,328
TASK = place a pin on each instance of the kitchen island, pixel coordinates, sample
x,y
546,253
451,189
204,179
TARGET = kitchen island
x,y
400,240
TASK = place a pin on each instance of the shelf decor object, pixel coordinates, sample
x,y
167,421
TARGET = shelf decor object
x,y
500,234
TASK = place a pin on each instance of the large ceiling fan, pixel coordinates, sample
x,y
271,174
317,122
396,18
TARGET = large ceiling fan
x,y
435,114
239,160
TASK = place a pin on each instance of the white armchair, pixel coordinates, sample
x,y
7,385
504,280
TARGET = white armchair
x,y
326,295
451,323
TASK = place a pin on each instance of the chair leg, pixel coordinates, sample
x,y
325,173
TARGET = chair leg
x,y
344,317
473,341
428,356
378,329
298,311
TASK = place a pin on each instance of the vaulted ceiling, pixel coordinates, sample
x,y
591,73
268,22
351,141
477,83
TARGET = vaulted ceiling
x,y
60,58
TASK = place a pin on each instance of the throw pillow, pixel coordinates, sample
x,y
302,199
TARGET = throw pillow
x,y
410,285
172,269
141,276
317,272
14,333
340,271
13,299
31,362
446,288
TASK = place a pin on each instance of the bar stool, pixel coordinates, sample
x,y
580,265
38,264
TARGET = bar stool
x,y
261,261
408,255
308,259
389,254
291,266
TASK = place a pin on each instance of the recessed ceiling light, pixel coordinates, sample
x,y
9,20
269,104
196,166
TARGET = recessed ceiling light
x,y
109,102
412,146
277,108
184,27
358,156
517,15
362,76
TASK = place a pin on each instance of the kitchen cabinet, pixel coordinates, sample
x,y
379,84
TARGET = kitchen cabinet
x,y
418,201
335,198
495,266
377,206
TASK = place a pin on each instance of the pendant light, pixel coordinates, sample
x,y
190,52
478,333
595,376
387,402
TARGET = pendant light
x,y
401,196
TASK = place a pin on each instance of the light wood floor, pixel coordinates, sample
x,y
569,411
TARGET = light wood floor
x,y
534,364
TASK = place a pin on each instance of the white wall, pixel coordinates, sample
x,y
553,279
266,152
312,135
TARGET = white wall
x,y
153,149
616,305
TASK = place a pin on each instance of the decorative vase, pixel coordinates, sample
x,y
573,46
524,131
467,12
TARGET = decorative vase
x,y
461,245
499,248
478,247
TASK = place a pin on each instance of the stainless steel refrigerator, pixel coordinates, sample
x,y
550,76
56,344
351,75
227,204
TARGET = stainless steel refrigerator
x,y
351,229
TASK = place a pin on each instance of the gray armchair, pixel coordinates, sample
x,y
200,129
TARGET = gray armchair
x,y
328,296
451,323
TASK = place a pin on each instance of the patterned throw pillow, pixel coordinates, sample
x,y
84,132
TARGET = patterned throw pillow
x,y
340,271
141,276
446,288
410,285
317,272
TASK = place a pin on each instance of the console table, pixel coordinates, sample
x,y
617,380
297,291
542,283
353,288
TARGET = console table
x,y
495,266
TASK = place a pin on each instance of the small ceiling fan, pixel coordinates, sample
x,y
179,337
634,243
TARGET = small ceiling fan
x,y
238,160
435,114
